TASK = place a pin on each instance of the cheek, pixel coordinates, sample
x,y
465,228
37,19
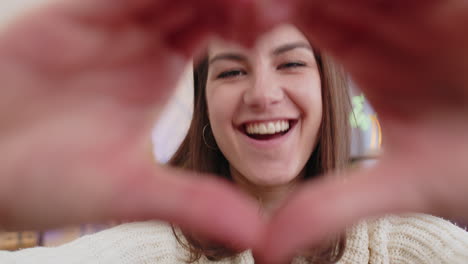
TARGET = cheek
x,y
221,108
307,95
312,99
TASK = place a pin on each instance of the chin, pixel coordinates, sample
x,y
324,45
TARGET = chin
x,y
271,179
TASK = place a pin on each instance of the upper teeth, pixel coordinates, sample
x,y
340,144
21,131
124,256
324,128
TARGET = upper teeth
x,y
267,128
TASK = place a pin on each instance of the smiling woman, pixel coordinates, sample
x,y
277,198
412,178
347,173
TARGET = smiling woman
x,y
277,115
266,119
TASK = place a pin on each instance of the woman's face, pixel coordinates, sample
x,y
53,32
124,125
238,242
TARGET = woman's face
x,y
264,105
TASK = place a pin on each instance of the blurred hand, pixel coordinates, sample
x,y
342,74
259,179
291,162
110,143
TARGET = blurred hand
x,y
82,84
411,60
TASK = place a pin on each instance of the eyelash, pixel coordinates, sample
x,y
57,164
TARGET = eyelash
x,y
237,73
230,74
290,65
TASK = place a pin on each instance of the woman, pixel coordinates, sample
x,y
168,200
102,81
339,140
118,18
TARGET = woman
x,y
267,119
262,119
259,114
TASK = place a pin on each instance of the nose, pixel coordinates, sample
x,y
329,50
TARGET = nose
x,y
263,92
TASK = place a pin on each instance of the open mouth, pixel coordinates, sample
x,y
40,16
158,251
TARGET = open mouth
x,y
268,130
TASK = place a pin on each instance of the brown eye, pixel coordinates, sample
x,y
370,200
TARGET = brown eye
x,y
291,65
230,74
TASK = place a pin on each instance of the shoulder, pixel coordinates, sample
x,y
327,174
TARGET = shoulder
x,y
152,240
139,242
138,230
416,238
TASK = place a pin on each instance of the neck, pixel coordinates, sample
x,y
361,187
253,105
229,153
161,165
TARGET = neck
x,y
269,198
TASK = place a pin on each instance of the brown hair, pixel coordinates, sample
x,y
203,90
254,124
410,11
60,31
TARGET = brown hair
x,y
198,152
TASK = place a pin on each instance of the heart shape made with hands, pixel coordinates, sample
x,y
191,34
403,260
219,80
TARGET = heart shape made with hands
x,y
89,78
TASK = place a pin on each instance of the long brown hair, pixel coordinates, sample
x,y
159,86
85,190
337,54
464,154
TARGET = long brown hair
x,y
199,152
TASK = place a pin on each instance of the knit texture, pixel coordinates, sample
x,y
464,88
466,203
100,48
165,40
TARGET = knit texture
x,y
412,239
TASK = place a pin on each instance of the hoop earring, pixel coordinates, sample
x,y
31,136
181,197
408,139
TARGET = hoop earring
x,y
204,140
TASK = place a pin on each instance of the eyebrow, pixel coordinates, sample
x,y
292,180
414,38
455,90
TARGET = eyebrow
x,y
228,56
291,46
278,51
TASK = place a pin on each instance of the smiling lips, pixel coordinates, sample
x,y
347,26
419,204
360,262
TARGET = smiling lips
x,y
268,129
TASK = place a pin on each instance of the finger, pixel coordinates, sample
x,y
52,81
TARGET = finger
x,y
386,32
381,65
247,23
108,11
195,202
418,32
326,208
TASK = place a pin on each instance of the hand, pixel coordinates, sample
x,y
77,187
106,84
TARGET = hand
x,y
82,84
411,60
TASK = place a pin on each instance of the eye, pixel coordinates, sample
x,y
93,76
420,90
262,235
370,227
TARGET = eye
x,y
230,74
291,65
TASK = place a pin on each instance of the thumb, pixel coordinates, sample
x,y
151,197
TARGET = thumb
x,y
195,202
324,208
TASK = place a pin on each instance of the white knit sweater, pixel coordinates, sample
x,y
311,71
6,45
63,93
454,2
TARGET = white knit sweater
x,y
389,240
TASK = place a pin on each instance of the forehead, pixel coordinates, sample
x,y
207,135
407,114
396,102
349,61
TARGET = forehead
x,y
265,43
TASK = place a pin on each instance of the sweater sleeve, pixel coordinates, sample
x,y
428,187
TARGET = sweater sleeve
x,y
417,239
144,242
